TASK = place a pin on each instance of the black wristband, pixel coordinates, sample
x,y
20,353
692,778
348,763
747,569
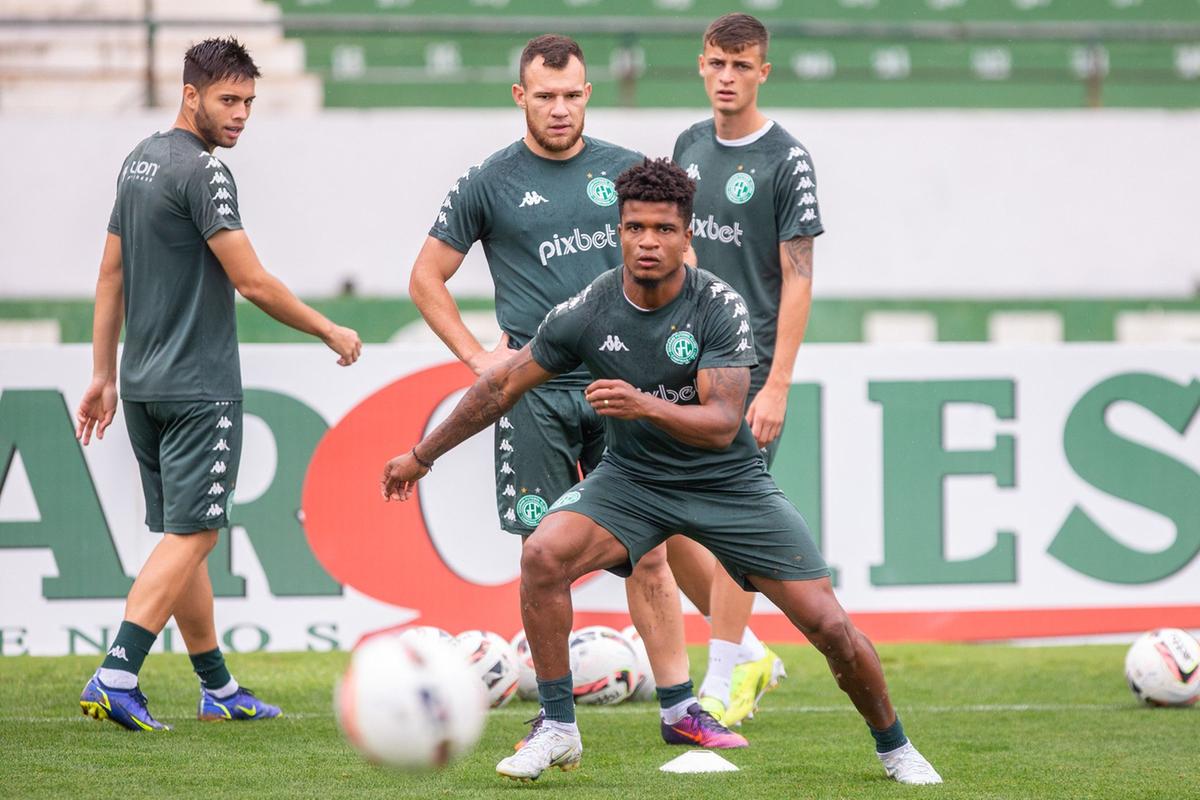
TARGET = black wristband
x,y
426,464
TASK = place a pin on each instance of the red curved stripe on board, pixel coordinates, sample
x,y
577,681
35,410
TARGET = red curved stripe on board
x,y
384,549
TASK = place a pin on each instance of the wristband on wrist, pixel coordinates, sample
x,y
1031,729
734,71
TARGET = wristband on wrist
x,y
426,464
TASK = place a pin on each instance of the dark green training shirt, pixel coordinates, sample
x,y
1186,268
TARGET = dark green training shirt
x,y
658,352
180,328
548,228
749,198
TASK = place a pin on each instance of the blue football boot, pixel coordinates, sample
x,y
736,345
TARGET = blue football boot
x,y
126,707
241,705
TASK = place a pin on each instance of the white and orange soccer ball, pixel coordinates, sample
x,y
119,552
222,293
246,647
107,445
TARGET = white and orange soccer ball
x,y
409,704
604,667
494,663
1163,668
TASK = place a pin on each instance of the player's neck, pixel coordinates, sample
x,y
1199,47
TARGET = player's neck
x,y
743,123
650,298
184,123
553,155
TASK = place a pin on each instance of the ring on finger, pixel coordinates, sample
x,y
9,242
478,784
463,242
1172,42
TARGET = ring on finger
x,y
606,401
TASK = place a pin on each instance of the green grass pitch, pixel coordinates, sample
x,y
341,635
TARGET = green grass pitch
x,y
997,722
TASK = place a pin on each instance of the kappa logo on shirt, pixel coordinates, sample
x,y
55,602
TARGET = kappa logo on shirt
x,y
219,177
613,344
532,199
224,209
222,194
504,424
693,171
506,469
809,215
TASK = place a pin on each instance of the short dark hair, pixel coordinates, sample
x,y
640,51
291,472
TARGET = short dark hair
x,y
555,48
733,33
217,59
657,180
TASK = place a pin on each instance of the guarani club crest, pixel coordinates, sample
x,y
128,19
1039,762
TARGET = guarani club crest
x,y
531,509
682,347
602,191
739,188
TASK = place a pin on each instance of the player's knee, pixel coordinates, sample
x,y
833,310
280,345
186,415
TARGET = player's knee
x,y
832,634
540,564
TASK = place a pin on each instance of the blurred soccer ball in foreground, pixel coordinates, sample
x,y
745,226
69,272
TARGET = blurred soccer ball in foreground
x,y
1163,668
493,662
604,666
409,703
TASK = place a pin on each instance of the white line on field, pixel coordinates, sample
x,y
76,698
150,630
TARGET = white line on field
x,y
647,709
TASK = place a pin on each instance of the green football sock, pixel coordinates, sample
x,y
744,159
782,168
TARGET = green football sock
x,y
557,698
129,649
210,668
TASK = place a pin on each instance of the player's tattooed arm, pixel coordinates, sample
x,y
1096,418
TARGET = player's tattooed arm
x,y
493,393
798,256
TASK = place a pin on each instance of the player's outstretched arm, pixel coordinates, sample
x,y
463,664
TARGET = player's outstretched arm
x,y
435,265
233,249
712,424
766,413
493,393
99,403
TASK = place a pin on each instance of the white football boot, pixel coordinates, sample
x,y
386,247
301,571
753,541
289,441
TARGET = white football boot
x,y
906,765
549,745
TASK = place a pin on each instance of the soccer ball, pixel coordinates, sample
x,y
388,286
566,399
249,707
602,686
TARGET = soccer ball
x,y
425,633
645,684
1163,668
409,704
526,677
494,663
603,666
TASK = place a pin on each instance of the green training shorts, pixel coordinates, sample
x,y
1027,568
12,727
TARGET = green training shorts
x,y
544,445
188,454
750,526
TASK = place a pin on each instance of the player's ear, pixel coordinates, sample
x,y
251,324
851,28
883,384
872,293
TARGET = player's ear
x,y
518,94
587,91
766,70
191,97
700,64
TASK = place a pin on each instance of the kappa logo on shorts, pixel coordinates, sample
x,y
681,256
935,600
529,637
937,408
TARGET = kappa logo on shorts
x,y
224,422
531,509
567,499
214,510
220,445
218,468
682,347
216,488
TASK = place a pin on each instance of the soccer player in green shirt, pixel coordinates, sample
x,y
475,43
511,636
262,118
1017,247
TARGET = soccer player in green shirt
x,y
755,219
174,255
680,457
544,209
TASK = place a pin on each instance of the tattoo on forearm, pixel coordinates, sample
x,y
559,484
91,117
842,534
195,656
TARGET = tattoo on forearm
x,y
799,254
483,404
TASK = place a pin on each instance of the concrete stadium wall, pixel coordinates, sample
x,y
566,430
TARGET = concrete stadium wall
x,y
925,204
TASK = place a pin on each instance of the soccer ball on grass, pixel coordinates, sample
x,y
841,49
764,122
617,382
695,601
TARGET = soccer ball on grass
x,y
1163,668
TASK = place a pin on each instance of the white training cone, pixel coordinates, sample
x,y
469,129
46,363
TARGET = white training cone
x,y
698,761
